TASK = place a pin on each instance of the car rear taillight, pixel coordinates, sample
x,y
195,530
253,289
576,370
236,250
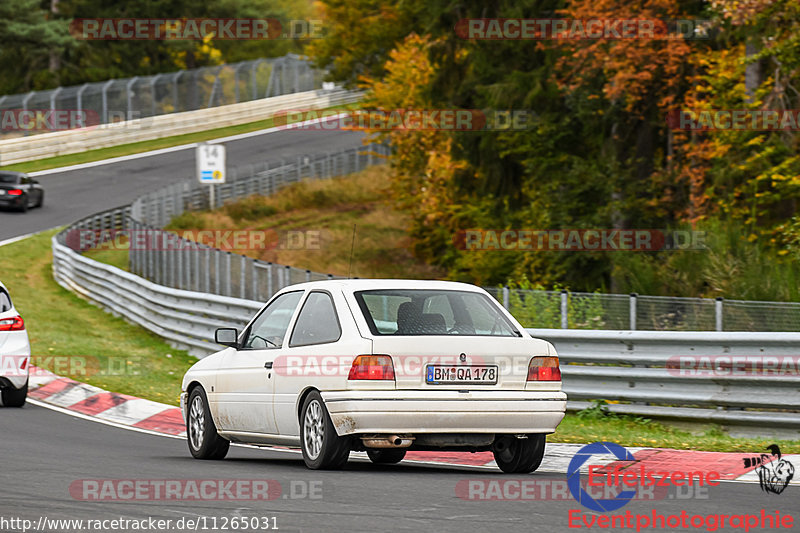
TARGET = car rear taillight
x,y
372,367
15,192
14,323
544,369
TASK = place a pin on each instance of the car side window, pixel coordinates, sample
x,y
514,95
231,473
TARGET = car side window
x,y
5,301
317,322
25,180
269,329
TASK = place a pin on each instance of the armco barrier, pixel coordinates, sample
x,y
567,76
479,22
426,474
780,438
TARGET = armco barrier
x,y
620,366
186,319
74,141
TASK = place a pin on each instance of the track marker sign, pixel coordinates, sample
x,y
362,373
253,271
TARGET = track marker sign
x,y
210,163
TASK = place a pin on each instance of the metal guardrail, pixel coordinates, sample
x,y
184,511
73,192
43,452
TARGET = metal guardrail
x,y
697,376
622,366
194,266
186,319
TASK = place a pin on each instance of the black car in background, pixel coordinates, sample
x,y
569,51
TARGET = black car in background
x,y
20,191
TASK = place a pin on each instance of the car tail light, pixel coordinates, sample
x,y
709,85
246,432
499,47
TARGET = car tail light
x,y
15,192
372,367
544,369
14,323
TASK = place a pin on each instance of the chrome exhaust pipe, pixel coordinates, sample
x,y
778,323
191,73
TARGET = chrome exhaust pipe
x,y
387,441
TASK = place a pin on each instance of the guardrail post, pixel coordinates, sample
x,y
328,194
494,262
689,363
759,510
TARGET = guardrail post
x,y
179,262
217,276
718,313
254,279
242,277
269,280
564,309
227,274
308,275
506,298
208,270
287,276
632,310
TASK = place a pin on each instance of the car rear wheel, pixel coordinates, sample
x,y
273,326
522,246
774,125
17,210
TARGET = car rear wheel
x,y
386,457
14,397
201,434
23,207
519,456
40,203
322,448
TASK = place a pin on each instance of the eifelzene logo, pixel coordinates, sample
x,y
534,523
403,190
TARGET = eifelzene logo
x,y
774,472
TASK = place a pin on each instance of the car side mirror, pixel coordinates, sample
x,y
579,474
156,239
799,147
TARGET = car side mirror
x,y
227,337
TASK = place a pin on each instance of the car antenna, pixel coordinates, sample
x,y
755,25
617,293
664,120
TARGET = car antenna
x,y
352,247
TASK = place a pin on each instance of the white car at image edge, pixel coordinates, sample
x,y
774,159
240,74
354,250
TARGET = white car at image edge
x,y
382,366
15,352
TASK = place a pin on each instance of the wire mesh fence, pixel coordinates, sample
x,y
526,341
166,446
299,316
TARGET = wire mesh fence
x,y
147,96
187,264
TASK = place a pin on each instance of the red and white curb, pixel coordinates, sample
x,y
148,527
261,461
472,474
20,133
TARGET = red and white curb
x,y
127,411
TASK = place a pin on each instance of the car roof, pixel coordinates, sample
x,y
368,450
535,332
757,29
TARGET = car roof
x,y
12,173
353,285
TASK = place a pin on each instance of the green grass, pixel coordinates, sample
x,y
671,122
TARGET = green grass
x,y
145,146
81,336
329,208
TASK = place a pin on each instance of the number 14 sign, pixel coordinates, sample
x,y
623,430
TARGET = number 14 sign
x,y
210,163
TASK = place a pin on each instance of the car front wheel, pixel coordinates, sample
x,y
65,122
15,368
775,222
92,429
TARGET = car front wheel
x,y
204,441
14,397
519,456
322,448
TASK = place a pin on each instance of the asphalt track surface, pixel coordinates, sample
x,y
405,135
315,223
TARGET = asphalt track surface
x,y
73,194
44,452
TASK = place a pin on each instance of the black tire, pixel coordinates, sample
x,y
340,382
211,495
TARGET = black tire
x,y
322,448
386,456
15,397
40,203
23,208
201,434
519,456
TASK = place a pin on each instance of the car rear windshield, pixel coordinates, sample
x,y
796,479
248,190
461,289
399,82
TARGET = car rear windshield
x,y
8,178
433,312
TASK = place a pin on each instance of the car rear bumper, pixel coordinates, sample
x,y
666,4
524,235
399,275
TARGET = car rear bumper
x,y
12,201
393,411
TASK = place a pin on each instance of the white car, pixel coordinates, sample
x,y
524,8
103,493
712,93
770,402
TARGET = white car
x,y
15,352
382,366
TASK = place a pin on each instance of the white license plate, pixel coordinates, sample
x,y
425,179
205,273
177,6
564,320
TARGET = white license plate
x,y
2,192
449,375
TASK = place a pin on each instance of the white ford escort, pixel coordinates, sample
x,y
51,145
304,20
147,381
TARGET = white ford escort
x,y
382,366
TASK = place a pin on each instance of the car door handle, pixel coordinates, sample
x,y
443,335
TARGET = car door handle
x,y
268,365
